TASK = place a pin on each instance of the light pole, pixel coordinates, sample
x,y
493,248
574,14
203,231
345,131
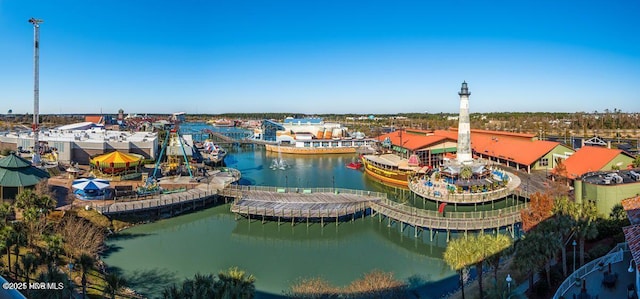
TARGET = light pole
x,y
630,270
509,280
574,255
286,182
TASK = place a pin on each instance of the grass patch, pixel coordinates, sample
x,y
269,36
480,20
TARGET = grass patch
x,y
95,217
119,225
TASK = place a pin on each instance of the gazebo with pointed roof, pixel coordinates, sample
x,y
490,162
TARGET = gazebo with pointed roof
x,y
16,174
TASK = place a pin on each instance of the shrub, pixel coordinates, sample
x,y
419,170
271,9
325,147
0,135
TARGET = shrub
x,y
556,274
598,251
541,288
312,288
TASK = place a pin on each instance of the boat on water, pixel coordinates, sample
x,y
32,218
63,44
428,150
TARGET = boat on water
x,y
222,123
354,165
389,168
212,152
321,146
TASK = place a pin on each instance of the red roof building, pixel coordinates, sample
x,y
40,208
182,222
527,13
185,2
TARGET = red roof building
x,y
593,158
96,119
520,151
427,146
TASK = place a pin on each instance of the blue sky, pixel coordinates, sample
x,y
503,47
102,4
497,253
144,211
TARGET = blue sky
x,y
321,56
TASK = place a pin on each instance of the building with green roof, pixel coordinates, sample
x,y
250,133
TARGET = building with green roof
x,y
16,174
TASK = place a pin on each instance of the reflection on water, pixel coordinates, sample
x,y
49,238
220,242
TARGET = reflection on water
x,y
212,240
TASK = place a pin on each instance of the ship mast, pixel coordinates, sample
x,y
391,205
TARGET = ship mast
x,y
36,89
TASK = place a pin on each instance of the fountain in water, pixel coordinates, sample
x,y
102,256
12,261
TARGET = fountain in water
x,y
279,163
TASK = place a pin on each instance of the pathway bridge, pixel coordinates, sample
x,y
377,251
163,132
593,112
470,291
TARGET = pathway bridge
x,y
321,203
172,203
228,137
433,221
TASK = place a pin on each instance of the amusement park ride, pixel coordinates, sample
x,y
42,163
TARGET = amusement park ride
x,y
177,161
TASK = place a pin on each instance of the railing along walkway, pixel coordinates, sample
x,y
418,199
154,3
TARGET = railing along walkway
x,y
427,219
615,255
420,189
330,202
156,201
299,202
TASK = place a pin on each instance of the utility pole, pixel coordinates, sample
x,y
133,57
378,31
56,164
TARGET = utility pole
x,y
36,89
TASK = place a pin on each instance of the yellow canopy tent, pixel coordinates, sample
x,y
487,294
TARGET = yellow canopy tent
x,y
115,162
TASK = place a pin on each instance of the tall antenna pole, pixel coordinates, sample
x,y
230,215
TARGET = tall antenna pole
x,y
36,89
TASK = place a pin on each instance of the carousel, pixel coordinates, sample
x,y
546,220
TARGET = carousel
x,y
117,166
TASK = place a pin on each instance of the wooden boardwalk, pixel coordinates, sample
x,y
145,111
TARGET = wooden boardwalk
x,y
191,198
451,221
315,203
320,203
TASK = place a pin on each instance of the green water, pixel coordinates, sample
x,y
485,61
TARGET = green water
x,y
155,254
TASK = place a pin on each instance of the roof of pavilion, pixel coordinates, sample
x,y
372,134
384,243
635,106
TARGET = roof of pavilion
x,y
18,172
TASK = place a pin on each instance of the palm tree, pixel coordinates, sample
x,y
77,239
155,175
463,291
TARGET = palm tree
x,y
26,198
114,283
583,217
8,239
499,247
5,210
29,265
53,275
548,242
526,258
203,286
85,262
585,221
466,172
187,288
54,245
46,204
235,284
457,256
483,247
172,292
31,215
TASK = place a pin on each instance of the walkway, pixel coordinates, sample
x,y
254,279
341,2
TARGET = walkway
x,y
194,197
319,203
592,276
451,221
315,203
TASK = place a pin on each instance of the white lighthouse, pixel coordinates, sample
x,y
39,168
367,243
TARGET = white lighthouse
x,y
464,127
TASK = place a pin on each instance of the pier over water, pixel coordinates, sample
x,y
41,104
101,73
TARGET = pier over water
x,y
316,204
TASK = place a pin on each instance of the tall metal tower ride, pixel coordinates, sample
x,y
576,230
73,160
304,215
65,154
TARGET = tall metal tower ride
x,y
36,89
